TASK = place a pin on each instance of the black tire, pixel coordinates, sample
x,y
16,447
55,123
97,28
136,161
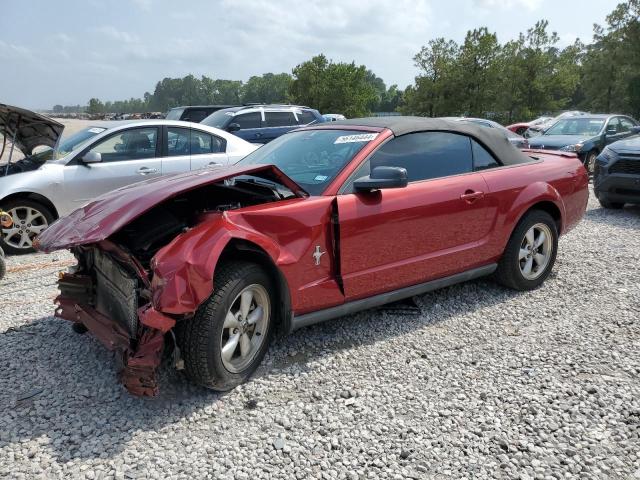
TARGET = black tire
x,y
3,266
23,203
612,205
509,272
200,338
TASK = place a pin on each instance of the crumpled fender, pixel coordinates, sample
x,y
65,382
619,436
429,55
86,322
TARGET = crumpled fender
x,y
535,193
183,269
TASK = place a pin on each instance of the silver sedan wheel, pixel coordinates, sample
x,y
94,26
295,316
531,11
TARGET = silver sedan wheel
x,y
245,328
27,223
535,251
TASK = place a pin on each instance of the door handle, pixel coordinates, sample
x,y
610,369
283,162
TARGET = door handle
x,y
471,196
258,135
214,164
147,170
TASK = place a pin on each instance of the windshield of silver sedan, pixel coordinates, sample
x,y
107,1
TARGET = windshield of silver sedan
x,y
311,158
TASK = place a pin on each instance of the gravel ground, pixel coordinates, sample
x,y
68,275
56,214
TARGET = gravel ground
x,y
479,382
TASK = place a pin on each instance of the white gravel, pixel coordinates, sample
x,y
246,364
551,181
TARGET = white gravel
x,y
483,383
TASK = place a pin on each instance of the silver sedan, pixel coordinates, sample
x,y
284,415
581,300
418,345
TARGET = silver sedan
x,y
103,161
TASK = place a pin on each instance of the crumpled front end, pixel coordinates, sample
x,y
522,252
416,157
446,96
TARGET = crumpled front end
x,y
107,293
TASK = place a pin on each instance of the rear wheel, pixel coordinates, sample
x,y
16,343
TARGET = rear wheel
x,y
3,266
229,335
531,252
29,219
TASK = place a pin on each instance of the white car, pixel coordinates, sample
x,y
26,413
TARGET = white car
x,y
36,195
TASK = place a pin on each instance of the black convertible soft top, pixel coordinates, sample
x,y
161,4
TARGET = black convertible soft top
x,y
491,138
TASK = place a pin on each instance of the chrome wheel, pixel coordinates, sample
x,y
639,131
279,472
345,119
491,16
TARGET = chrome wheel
x,y
245,327
591,163
535,251
27,223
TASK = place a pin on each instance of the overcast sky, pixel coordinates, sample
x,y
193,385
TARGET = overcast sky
x,y
66,52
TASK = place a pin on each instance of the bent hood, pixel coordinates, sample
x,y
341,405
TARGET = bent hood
x,y
30,129
107,214
554,142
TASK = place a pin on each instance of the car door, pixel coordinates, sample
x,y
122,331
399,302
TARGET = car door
x,y
250,124
612,131
278,123
207,150
626,124
126,156
434,227
176,150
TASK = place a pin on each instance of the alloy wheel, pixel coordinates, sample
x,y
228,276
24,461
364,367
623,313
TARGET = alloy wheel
x,y
535,251
28,222
245,327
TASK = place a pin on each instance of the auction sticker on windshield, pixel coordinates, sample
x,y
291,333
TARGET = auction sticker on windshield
x,y
361,137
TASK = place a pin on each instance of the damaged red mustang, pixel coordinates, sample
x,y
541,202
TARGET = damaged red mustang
x,y
322,222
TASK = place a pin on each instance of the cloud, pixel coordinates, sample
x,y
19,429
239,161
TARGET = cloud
x,y
11,51
118,35
530,5
144,5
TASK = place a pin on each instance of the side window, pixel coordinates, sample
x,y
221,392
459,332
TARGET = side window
x,y
131,144
625,124
482,159
613,126
177,141
426,155
279,119
196,116
248,120
305,117
202,142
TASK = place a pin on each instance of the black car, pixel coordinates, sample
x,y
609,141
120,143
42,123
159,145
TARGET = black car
x,y
586,135
193,113
616,177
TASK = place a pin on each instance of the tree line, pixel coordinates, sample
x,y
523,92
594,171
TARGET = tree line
x,y
520,79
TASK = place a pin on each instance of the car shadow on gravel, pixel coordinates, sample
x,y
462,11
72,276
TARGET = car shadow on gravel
x,y
60,389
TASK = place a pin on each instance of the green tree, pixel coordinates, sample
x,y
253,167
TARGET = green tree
x,y
433,92
267,88
95,106
332,87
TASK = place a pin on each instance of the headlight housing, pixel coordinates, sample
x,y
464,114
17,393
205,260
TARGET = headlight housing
x,y
606,156
572,148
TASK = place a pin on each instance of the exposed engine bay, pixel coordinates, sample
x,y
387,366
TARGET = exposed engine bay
x,y
147,234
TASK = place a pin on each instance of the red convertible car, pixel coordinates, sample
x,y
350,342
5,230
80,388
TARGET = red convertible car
x,y
322,222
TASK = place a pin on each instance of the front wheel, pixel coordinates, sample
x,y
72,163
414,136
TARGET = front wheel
x,y
223,344
29,219
612,205
590,162
531,252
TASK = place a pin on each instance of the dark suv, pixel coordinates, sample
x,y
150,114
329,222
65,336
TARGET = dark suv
x,y
193,113
616,177
262,123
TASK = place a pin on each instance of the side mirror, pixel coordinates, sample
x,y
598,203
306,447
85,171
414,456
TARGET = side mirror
x,y
92,157
382,177
635,130
233,127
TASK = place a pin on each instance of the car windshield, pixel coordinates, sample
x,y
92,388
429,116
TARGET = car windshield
x,y
218,119
174,114
580,126
68,144
311,158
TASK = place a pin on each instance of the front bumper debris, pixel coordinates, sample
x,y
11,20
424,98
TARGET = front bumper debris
x,y
139,355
